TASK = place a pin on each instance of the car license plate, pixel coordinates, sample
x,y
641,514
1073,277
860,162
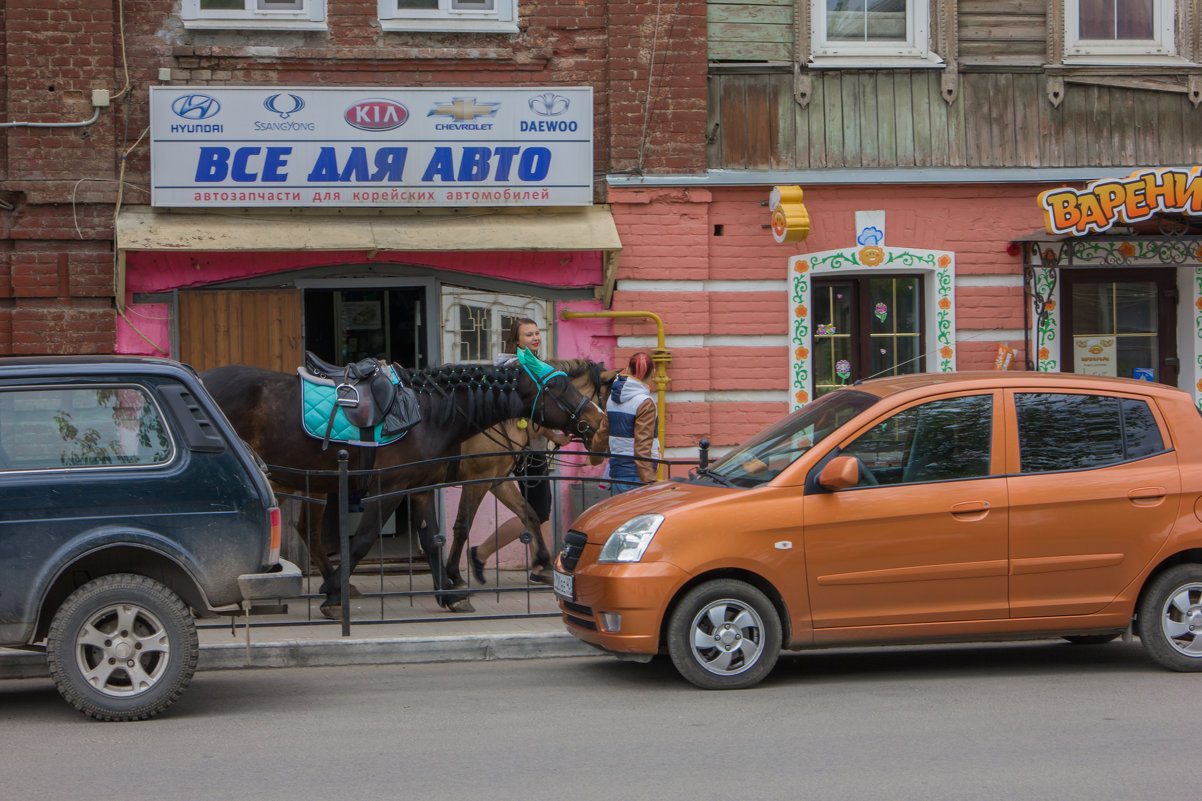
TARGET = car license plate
x,y
563,585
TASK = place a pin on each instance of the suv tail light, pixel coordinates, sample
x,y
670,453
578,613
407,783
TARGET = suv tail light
x,y
273,556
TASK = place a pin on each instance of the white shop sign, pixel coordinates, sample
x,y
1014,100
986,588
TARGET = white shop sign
x,y
316,146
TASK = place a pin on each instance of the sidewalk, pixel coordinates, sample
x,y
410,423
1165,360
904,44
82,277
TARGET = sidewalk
x,y
425,633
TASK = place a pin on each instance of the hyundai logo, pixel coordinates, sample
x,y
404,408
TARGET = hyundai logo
x,y
195,107
285,108
549,104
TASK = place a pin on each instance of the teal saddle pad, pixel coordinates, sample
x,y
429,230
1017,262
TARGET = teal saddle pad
x,y
318,400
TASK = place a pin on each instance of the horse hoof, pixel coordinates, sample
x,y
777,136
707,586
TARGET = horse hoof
x,y
331,611
355,592
461,607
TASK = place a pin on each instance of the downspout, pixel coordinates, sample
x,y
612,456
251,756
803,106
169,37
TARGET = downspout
x,y
660,357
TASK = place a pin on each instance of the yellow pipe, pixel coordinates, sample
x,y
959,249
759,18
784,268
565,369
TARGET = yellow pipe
x,y
660,357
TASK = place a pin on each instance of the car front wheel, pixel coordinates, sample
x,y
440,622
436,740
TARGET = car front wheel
x,y
122,647
1170,618
724,635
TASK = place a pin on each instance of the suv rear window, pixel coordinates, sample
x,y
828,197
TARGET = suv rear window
x,y
1074,432
52,428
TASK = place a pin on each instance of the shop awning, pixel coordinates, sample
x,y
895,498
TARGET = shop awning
x,y
142,228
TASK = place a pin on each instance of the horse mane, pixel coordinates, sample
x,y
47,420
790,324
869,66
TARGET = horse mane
x,y
482,391
577,367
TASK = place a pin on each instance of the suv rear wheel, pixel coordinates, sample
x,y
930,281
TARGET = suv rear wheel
x,y
1170,618
122,647
724,635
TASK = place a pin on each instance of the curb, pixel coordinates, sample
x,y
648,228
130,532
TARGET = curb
x,y
331,653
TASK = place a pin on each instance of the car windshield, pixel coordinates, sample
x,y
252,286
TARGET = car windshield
x,y
764,457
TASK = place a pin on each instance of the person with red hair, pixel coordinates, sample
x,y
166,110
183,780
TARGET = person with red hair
x,y
633,421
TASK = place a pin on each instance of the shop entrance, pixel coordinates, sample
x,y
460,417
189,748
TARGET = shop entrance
x,y
347,324
866,326
1120,323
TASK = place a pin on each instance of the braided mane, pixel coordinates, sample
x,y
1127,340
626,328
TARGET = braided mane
x,y
482,392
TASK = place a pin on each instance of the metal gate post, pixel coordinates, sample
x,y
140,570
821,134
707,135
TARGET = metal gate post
x,y
344,542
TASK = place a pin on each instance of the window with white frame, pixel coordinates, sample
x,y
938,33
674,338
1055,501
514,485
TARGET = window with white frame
x,y
871,33
1110,31
490,16
261,14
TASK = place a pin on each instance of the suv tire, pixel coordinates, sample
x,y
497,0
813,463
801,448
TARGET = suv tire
x,y
741,623
122,647
1170,618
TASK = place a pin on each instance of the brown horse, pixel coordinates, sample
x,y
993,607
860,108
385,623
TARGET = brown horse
x,y
489,461
457,401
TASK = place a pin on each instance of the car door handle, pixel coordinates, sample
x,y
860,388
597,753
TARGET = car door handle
x,y
970,510
1147,496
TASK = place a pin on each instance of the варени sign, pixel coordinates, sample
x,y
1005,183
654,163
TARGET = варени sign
x,y
1106,203
316,146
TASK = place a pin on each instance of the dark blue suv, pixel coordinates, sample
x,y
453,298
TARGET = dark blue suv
x,y
127,505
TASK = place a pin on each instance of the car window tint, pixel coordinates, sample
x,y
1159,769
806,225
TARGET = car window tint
x,y
942,440
1074,432
48,428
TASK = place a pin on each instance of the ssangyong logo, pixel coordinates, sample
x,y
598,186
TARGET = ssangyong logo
x,y
376,115
195,107
284,104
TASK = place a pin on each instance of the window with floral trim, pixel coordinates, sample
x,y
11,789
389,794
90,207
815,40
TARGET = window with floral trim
x,y
1119,28
449,15
868,30
262,14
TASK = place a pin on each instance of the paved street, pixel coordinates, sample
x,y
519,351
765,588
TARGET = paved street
x,y
1012,721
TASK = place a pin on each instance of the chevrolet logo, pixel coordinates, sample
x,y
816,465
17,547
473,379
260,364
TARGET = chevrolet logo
x,y
464,108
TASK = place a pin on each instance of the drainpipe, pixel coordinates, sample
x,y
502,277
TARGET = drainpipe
x,y
660,357
95,116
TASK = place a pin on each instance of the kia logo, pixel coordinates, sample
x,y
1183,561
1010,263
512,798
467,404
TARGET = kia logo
x,y
376,115
195,107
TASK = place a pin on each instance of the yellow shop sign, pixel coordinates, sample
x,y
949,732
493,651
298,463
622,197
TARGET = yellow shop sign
x,y
1106,203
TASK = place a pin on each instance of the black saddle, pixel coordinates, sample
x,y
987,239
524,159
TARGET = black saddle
x,y
363,390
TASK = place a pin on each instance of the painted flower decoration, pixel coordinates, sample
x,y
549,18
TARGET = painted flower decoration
x,y
871,256
802,352
1198,303
802,396
843,369
1200,386
944,261
1198,254
801,266
1127,249
945,304
1043,354
800,310
946,351
1050,305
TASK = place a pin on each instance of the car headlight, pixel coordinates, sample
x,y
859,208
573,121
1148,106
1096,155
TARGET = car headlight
x,y
630,539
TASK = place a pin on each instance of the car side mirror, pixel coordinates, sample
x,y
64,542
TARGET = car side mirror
x,y
840,473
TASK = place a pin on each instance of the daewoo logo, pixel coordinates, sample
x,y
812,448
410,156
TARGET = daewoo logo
x,y
549,104
195,107
376,115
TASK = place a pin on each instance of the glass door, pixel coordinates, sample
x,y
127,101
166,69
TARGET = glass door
x,y
475,323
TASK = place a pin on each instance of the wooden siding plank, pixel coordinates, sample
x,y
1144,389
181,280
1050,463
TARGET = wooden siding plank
x,y
992,28
1026,119
974,89
759,125
832,107
714,122
920,104
764,15
801,124
1170,118
1122,136
780,101
1076,121
749,32
1001,119
939,110
850,101
866,92
734,122
1051,127
1097,134
999,7
1147,129
886,119
957,132
817,124
750,51
903,114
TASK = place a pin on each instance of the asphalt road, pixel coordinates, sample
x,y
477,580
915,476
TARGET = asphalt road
x,y
1013,721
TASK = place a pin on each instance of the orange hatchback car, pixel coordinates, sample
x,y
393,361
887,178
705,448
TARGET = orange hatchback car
x,y
925,508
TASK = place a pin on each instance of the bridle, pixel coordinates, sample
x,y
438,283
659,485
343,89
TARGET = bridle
x,y
581,427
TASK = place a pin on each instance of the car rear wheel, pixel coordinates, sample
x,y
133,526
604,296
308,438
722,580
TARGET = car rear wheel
x,y
724,635
1170,618
122,647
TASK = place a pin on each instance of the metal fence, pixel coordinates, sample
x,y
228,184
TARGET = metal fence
x,y
393,582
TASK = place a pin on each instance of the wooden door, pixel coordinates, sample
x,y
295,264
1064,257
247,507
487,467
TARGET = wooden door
x,y
260,327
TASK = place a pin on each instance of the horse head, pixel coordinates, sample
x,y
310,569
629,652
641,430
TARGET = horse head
x,y
553,401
